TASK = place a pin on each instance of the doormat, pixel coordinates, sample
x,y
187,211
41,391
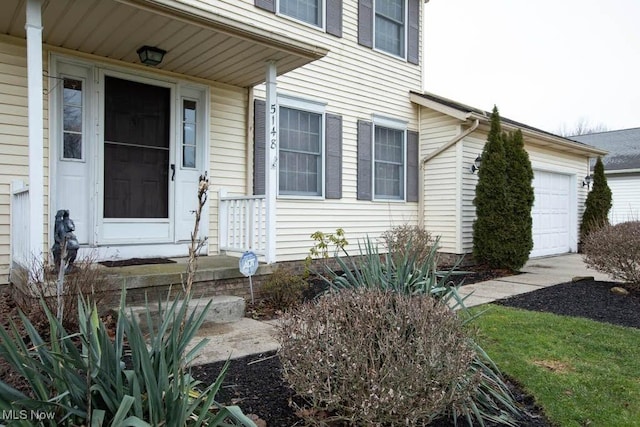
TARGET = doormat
x,y
136,261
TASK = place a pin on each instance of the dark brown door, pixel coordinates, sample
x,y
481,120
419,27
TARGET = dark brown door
x,y
136,149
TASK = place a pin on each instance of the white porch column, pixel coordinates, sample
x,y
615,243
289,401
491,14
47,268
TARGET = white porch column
x,y
36,122
271,159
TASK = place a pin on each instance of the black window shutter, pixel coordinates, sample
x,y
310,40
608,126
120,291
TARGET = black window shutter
x,y
259,146
365,22
333,159
269,5
412,167
364,160
334,17
413,35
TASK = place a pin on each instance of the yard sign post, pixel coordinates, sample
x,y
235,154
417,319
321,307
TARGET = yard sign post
x,y
248,266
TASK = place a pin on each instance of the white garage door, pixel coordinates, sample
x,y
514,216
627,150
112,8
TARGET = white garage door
x,y
551,214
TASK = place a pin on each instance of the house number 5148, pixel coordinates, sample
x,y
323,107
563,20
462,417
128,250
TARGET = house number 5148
x,y
273,132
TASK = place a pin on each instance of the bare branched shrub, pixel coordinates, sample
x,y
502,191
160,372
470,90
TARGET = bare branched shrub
x,y
40,281
377,358
284,289
411,238
615,250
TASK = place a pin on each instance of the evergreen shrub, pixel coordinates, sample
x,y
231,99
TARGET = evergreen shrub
x,y
598,203
284,289
502,234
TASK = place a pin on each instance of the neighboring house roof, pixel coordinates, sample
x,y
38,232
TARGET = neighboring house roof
x,y
465,112
623,147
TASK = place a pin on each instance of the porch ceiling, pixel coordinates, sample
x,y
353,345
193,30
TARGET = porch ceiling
x,y
199,43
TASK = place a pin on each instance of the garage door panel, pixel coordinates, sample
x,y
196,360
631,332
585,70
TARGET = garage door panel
x,y
551,213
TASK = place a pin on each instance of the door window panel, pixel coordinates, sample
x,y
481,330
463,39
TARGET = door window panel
x,y
72,119
189,129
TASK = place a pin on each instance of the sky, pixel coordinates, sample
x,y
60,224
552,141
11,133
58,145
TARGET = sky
x,y
546,63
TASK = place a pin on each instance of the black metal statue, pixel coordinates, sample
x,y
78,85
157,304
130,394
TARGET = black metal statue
x,y
63,232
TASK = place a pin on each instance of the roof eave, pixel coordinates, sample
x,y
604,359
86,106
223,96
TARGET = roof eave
x,y
557,141
466,115
231,26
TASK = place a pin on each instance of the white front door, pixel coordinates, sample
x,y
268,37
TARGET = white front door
x,y
128,154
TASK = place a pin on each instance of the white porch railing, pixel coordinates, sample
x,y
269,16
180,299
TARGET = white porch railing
x,y
242,223
20,251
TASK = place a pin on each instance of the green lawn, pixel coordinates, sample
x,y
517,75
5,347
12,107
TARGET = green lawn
x,y
582,372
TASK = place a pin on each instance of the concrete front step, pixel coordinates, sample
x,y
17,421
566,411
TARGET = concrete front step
x,y
223,309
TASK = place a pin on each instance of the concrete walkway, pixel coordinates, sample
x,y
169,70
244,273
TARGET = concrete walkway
x,y
249,336
537,273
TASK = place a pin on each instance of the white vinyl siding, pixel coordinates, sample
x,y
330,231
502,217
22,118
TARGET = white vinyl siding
x,y
542,159
625,192
440,190
449,185
355,82
14,143
228,153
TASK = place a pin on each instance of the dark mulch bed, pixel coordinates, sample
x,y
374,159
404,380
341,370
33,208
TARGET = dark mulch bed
x,y
586,298
254,382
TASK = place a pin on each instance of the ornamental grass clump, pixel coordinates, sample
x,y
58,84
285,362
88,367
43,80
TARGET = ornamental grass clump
x,y
81,378
615,250
373,357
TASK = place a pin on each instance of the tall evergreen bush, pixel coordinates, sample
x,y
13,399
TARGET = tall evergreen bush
x,y
502,232
520,202
491,198
598,203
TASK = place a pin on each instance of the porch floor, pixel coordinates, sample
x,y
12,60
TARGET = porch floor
x,y
213,276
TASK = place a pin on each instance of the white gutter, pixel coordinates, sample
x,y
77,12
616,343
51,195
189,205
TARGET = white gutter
x,y
436,152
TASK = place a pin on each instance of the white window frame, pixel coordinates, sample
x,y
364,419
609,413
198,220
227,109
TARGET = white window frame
x,y
403,54
311,106
395,124
83,132
197,130
323,15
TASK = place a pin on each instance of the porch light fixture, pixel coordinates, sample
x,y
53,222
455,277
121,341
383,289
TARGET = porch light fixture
x,y
476,164
586,182
150,55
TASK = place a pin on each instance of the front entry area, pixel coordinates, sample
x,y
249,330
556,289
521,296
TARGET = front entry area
x,y
128,152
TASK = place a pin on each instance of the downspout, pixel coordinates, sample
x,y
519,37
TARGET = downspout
x,y
433,154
